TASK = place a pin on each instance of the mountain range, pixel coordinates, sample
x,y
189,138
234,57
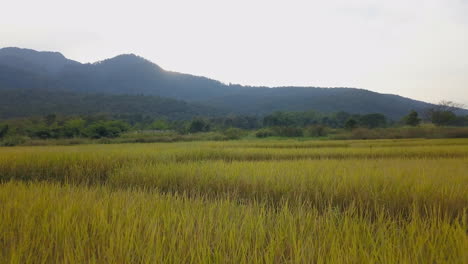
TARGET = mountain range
x,y
49,82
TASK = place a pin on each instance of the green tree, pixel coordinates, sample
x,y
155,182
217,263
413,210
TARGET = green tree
x,y
341,118
442,118
3,130
412,119
283,119
41,131
74,127
199,125
443,113
373,120
50,119
351,124
160,125
107,129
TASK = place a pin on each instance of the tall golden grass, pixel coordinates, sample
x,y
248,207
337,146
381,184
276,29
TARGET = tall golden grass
x,y
381,201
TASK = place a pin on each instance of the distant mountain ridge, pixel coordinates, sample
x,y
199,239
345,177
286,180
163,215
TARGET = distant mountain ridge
x,y
129,74
27,59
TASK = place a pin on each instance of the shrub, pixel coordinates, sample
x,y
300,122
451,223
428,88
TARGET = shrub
x,y
316,131
456,133
364,133
11,141
288,131
234,133
264,132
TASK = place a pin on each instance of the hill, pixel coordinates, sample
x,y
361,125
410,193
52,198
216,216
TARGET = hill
x,y
358,101
24,103
128,74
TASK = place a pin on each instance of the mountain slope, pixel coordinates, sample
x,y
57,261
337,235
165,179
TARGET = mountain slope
x,y
123,74
24,103
133,75
359,101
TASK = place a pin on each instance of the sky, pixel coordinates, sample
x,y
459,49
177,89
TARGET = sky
x,y
414,48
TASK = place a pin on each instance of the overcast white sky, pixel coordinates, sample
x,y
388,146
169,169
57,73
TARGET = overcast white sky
x,y
415,48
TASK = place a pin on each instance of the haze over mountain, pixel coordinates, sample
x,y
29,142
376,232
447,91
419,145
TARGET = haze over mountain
x,y
128,74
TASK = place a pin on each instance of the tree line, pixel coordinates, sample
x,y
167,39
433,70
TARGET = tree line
x,y
286,124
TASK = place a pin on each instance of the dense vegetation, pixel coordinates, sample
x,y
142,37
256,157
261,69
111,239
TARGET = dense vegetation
x,y
128,128
383,201
26,103
22,69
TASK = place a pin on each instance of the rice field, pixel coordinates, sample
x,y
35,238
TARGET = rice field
x,y
250,201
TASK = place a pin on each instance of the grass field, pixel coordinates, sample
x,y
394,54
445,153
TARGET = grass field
x,y
249,201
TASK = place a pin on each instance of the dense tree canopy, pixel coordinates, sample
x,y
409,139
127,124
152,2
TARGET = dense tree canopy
x,y
26,103
411,119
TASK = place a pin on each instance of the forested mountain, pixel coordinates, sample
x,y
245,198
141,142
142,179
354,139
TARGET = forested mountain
x,y
124,74
29,70
326,100
24,103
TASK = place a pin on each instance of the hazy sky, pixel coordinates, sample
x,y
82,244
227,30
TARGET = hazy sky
x,y
415,48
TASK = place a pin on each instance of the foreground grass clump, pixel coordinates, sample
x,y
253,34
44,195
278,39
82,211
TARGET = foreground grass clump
x,y
64,224
275,201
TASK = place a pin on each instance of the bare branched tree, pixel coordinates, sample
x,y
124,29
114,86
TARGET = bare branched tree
x,y
451,106
442,106
443,112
